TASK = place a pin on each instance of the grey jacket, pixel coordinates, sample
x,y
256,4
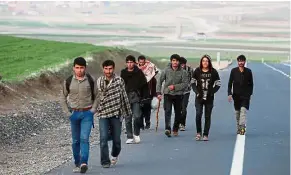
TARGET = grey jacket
x,y
178,78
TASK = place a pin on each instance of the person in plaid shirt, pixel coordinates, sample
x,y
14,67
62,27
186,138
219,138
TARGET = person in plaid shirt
x,y
113,106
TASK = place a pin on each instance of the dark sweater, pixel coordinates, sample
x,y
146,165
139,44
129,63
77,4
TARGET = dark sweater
x,y
135,81
241,82
213,85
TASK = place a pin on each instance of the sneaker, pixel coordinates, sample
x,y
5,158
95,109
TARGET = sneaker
x,y
83,168
114,160
148,126
205,138
168,133
76,169
175,133
129,141
106,166
182,127
136,139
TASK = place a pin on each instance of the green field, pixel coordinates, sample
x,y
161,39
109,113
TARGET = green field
x,y
21,57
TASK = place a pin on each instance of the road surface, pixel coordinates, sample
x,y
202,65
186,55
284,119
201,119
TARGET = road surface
x,y
267,141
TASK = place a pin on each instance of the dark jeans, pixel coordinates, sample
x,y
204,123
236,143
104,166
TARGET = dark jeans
x,y
146,110
208,105
176,101
135,107
81,124
115,127
184,108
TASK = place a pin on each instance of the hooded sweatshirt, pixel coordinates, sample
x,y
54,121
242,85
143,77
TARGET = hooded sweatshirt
x,y
205,84
178,78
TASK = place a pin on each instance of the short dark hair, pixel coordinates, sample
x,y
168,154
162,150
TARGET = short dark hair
x,y
183,60
241,58
141,57
175,56
80,61
130,58
108,63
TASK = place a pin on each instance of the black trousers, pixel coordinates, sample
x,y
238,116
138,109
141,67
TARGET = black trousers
x,y
169,101
184,108
208,105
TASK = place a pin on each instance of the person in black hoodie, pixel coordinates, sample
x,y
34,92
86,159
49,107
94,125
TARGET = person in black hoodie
x,y
206,82
241,81
137,90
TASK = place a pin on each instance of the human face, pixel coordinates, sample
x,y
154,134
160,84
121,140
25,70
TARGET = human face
x,y
241,63
79,70
205,63
130,65
141,62
175,63
108,71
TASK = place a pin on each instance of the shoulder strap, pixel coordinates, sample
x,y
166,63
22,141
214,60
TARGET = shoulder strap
x,y
91,82
68,83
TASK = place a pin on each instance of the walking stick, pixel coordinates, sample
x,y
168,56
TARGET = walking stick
x,y
157,116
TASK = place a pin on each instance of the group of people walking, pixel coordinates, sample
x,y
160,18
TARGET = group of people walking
x,y
128,97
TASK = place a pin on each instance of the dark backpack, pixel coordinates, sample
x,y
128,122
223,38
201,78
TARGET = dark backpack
x,y
91,82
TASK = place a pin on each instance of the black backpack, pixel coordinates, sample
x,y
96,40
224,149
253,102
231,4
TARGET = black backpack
x,y
91,82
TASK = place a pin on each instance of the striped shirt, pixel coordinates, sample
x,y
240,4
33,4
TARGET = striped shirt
x,y
113,100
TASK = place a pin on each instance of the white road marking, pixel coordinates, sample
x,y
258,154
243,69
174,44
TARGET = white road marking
x,y
277,70
286,64
238,156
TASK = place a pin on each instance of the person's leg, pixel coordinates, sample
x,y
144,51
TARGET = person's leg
x,y
128,125
136,118
103,131
168,113
184,111
76,130
237,106
86,126
177,107
199,113
208,111
147,114
116,133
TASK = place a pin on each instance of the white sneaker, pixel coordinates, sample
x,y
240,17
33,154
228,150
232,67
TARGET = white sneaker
x,y
114,160
129,141
136,139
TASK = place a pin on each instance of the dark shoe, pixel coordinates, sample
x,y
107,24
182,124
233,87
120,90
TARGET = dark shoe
x,y
168,133
242,130
83,168
148,126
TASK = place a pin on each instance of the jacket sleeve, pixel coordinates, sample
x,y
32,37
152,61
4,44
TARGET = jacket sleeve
x,y
194,81
217,82
251,83
125,105
97,99
161,79
185,81
144,88
230,82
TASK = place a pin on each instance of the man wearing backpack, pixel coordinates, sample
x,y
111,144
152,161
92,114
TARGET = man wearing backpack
x,y
113,106
80,108
137,90
186,95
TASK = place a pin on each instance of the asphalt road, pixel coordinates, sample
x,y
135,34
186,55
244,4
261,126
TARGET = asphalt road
x,y
266,147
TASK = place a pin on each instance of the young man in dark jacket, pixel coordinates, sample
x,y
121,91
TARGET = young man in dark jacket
x,y
206,82
137,90
186,95
241,80
176,82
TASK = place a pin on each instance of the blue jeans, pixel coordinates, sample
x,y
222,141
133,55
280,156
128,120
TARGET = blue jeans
x,y
115,127
81,124
137,121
